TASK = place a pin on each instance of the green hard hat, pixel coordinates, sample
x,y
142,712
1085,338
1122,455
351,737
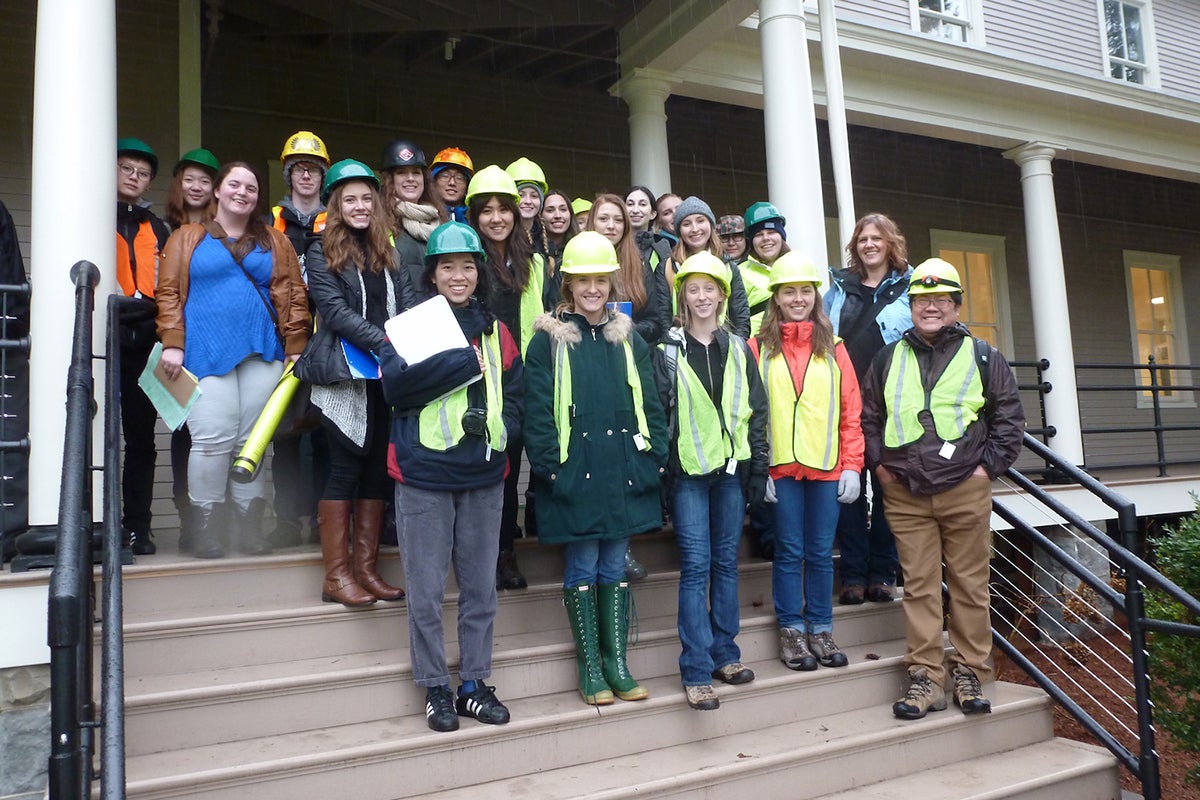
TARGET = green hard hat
x,y
452,237
199,158
138,149
347,170
761,212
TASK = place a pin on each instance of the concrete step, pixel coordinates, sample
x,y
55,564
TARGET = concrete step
x,y
766,735
166,711
1057,770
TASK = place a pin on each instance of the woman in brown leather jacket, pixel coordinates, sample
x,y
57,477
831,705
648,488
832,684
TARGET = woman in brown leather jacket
x,y
232,308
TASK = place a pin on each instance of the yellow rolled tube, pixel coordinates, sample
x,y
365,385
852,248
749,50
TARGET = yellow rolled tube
x,y
245,466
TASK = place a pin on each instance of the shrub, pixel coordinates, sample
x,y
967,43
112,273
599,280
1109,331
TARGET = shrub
x,y
1174,659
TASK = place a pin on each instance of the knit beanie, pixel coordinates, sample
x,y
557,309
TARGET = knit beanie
x,y
694,205
291,163
766,225
535,187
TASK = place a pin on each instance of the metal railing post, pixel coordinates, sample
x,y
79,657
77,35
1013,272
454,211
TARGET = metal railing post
x,y
1158,423
1135,613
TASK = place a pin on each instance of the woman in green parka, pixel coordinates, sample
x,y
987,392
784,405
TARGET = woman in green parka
x,y
596,438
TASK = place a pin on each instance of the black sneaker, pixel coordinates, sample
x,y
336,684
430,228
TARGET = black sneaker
x,y
482,705
439,709
142,543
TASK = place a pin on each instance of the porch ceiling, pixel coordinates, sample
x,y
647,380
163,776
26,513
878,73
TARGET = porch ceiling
x,y
573,43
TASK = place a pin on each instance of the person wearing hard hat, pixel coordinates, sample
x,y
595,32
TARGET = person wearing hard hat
x,y
232,308
731,230
300,215
597,443
518,277
190,197
580,208
816,456
447,458
868,303
697,231
452,169
717,415
140,238
412,207
357,283
942,419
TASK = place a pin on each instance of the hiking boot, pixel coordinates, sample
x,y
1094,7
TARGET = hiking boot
x,y
826,650
508,574
880,593
142,543
923,695
439,709
968,694
634,571
480,703
702,698
286,533
851,596
734,674
794,652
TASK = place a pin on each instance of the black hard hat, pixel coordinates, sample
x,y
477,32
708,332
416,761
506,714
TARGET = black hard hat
x,y
401,153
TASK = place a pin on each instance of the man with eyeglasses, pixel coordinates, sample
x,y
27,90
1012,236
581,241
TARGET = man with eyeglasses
x,y
140,239
300,215
942,419
451,171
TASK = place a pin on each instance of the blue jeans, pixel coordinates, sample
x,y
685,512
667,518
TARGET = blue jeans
x,y
595,561
868,551
708,512
802,574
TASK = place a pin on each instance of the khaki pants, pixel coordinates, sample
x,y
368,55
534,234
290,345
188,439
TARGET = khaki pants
x,y
951,528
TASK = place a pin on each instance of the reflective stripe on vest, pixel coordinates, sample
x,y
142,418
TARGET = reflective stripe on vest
x,y
954,401
804,429
441,425
137,264
708,437
531,306
564,395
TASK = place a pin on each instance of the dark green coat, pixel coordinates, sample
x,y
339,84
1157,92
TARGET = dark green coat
x,y
606,488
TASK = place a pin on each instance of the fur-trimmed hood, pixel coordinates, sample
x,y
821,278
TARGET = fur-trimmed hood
x,y
568,328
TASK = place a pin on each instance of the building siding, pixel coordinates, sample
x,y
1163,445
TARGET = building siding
x,y
885,13
1175,25
1020,30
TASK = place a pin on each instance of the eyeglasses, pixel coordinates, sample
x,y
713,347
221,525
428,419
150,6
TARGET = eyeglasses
x,y
305,169
130,169
448,175
938,301
732,237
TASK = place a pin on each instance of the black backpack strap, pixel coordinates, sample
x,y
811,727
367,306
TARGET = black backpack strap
x,y
671,354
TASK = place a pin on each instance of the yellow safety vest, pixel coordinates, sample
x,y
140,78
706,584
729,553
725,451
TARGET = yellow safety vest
x,y
441,425
804,429
708,437
531,306
954,401
755,277
564,397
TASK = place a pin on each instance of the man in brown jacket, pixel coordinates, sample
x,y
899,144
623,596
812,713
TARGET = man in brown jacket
x,y
942,419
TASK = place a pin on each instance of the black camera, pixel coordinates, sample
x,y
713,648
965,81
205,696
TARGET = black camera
x,y
474,421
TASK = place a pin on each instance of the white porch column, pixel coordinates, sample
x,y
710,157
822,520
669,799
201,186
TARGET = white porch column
x,y
839,139
793,159
74,101
646,93
1048,295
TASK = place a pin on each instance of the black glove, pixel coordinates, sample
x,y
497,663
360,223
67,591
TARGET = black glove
x,y
756,486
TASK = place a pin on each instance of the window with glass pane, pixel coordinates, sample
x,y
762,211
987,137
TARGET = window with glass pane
x,y
1126,47
1154,321
945,19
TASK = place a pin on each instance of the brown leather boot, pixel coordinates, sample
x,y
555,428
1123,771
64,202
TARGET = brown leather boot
x,y
340,587
368,522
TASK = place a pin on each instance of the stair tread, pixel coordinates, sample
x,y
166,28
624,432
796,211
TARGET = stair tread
x,y
1008,774
560,712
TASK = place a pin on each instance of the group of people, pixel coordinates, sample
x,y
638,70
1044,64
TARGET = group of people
x,y
652,361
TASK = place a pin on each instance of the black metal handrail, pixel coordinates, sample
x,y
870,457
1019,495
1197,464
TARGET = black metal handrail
x,y
14,389
1156,390
72,707
1138,574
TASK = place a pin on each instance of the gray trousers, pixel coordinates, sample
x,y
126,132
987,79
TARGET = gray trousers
x,y
435,530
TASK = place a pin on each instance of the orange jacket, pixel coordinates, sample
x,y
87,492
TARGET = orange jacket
x,y
797,349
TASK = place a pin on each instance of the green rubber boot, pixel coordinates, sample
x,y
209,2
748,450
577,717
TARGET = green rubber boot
x,y
581,610
614,600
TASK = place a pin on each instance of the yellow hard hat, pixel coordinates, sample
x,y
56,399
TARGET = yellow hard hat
x,y
793,268
307,144
703,263
525,171
935,276
589,253
492,180
580,206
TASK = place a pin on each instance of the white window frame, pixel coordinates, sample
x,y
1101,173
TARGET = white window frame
x,y
1150,76
994,247
1169,264
972,22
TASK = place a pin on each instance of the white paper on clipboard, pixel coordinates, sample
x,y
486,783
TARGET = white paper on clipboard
x,y
425,330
